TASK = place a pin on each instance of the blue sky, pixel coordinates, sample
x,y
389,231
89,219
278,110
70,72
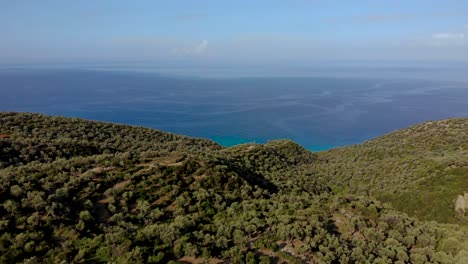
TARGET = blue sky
x,y
233,31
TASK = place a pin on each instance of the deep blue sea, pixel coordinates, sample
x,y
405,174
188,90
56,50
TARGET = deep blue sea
x,y
317,112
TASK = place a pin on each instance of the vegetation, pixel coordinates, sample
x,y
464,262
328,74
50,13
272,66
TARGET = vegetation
x,y
419,170
75,191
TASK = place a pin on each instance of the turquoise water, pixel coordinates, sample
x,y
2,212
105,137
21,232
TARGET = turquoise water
x,y
318,113
233,141
321,148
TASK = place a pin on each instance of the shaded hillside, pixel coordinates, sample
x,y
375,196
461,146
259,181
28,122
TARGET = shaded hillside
x,y
79,191
419,170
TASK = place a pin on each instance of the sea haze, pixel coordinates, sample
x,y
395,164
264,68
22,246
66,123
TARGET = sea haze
x,y
318,113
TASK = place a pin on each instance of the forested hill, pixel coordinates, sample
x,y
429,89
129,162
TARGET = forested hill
x,y
75,191
419,170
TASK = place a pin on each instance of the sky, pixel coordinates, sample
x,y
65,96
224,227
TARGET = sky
x,y
233,31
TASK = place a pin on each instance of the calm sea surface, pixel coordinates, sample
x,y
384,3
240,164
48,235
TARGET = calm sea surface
x,y
319,113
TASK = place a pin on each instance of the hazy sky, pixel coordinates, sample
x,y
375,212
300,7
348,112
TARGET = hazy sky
x,y
217,30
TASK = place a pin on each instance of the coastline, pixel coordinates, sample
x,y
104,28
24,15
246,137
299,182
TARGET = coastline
x,y
228,141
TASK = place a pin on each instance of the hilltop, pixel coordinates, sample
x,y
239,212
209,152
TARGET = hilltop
x,y
74,191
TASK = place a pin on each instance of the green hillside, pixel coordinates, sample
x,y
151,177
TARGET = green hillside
x,y
76,191
419,170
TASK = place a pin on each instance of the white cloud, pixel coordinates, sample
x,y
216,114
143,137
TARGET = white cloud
x,y
448,39
202,47
198,49
448,36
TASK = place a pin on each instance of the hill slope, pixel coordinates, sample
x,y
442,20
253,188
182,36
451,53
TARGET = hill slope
x,y
419,170
73,190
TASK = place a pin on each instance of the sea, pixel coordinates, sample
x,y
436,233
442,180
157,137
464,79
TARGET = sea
x,y
318,107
